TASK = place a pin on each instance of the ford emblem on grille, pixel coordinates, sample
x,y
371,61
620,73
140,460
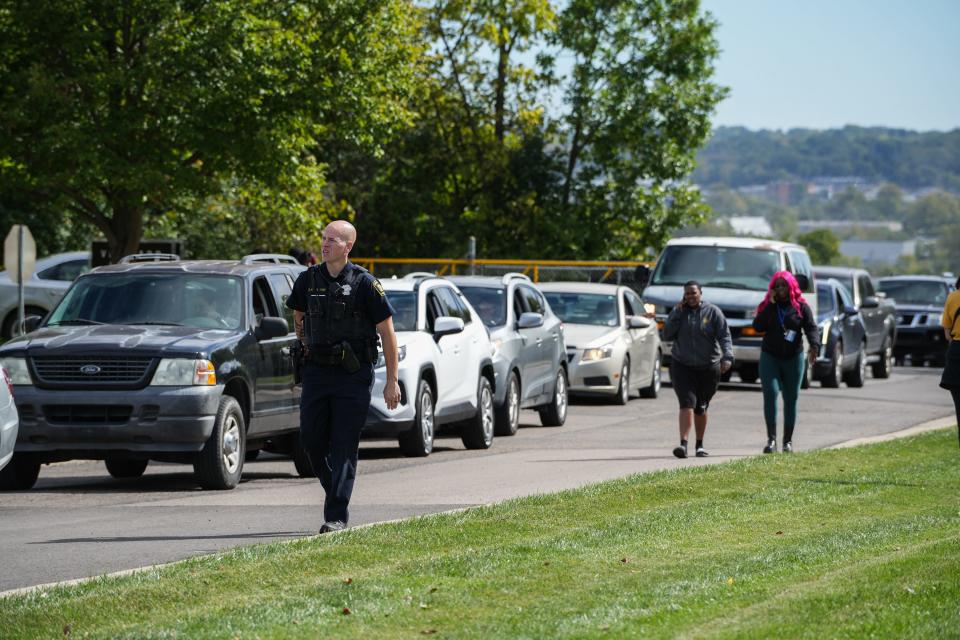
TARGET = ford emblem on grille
x,y
90,369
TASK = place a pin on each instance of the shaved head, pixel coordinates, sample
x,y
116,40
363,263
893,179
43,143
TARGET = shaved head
x,y
342,229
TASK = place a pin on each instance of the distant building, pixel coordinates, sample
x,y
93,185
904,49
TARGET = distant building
x,y
756,226
843,226
878,252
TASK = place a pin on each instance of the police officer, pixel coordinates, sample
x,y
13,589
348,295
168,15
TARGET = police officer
x,y
339,308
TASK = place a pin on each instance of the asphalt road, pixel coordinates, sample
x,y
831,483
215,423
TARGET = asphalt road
x,y
79,522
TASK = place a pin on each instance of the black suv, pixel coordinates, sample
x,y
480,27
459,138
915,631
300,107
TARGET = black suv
x,y
179,361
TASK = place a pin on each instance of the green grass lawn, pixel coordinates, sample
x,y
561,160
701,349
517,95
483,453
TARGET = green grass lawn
x,y
851,543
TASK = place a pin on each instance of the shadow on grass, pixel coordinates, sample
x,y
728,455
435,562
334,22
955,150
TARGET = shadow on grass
x,y
881,483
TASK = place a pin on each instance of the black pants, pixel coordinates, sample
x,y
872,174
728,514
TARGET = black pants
x,y
694,387
951,377
333,410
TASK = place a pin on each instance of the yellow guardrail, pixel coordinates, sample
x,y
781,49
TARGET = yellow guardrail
x,y
530,268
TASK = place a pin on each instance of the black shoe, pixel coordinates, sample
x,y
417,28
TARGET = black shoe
x,y
702,453
788,447
771,446
333,526
681,451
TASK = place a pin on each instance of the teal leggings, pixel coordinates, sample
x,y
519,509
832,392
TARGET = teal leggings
x,y
780,375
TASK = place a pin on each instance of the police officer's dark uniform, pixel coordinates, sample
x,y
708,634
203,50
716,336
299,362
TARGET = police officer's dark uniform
x,y
339,325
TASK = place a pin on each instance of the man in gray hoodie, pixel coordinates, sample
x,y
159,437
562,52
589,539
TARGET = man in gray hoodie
x,y
702,351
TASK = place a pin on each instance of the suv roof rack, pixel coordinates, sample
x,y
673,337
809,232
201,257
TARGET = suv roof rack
x,y
149,257
275,258
507,277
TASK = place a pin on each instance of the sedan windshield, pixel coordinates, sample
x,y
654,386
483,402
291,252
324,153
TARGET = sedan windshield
x,y
189,300
584,308
923,292
728,267
489,302
404,304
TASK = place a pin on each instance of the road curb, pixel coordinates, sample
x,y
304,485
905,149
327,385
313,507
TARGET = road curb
x,y
930,425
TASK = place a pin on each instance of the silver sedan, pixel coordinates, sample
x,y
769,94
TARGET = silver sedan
x,y
612,348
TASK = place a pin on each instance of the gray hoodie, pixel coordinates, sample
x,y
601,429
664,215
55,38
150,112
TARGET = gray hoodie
x,y
700,336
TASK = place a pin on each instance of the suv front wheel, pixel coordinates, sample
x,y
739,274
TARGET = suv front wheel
x,y
220,463
477,432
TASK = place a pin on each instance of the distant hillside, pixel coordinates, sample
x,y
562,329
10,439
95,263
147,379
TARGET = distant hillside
x,y
738,157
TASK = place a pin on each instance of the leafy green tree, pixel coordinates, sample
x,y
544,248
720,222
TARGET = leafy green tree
x,y
116,111
639,100
822,245
534,158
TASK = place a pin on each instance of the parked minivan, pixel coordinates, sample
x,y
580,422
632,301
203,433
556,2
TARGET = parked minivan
x,y
734,274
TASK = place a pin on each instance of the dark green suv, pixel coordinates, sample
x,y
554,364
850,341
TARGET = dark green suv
x,y
181,361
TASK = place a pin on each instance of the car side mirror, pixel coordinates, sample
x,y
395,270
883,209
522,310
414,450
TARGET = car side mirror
x,y
446,325
272,328
642,276
803,281
529,320
30,323
638,322
870,302
850,311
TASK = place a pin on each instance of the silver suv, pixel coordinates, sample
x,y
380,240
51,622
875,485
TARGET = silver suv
x,y
530,354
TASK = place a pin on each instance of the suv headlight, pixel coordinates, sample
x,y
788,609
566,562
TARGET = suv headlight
x,y
597,353
184,372
17,369
382,362
824,332
933,320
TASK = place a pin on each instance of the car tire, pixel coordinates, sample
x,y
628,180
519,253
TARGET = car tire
x,y
856,376
507,416
623,391
126,467
220,464
653,389
477,432
884,367
10,322
417,442
20,473
555,413
833,377
301,460
749,373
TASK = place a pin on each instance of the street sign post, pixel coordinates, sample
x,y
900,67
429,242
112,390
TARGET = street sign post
x,y
19,259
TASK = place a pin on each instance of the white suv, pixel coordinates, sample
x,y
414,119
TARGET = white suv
x,y
446,368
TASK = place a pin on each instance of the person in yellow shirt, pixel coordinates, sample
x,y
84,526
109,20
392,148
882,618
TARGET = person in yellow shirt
x,y
950,321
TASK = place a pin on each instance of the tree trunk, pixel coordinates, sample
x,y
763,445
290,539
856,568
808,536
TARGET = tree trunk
x,y
126,226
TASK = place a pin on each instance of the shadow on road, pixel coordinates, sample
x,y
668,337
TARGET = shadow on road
x,y
226,536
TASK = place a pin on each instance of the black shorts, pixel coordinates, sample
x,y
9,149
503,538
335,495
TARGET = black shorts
x,y
694,387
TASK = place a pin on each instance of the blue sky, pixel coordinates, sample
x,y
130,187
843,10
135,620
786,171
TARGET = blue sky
x,y
824,64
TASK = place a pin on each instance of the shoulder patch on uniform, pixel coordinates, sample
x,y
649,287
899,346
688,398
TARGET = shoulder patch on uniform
x,y
379,288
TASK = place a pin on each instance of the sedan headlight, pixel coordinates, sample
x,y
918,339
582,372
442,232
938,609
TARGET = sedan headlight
x,y
184,372
382,362
17,369
824,332
597,353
